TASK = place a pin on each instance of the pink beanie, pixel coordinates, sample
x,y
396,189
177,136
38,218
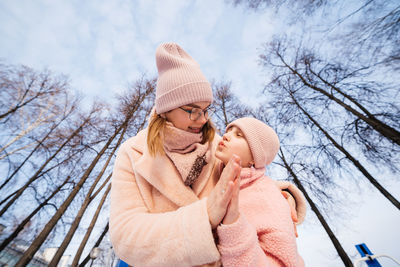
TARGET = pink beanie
x,y
262,140
180,80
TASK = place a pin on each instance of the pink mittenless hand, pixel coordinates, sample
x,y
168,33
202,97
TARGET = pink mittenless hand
x,y
232,214
220,197
231,171
293,212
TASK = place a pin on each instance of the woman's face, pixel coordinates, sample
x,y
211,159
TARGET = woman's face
x,y
180,117
233,142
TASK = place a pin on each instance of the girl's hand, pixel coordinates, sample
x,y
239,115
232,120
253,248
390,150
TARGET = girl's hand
x,y
232,213
293,212
218,200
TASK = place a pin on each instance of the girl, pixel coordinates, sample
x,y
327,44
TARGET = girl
x,y
168,194
262,233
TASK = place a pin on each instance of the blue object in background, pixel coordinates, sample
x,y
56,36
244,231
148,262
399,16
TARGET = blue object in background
x,y
364,252
121,263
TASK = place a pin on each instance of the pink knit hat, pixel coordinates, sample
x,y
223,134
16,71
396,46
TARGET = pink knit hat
x,y
180,80
262,140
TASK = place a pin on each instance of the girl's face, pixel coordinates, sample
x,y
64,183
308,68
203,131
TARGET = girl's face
x,y
233,142
183,119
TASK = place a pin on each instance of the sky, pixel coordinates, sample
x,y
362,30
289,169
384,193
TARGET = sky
x,y
102,46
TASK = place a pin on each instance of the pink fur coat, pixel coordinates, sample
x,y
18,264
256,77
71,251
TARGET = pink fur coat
x,y
263,235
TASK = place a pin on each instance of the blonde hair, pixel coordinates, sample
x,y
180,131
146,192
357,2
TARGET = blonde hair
x,y
155,134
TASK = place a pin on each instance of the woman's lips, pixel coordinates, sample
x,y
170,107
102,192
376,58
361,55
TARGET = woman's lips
x,y
195,130
221,144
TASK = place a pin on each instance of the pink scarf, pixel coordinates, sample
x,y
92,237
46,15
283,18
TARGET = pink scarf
x,y
186,151
248,175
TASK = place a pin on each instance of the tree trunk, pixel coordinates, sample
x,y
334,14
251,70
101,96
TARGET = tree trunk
x,y
356,163
87,258
89,197
21,226
342,253
78,254
38,241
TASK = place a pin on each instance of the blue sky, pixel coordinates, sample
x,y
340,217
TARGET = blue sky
x,y
104,45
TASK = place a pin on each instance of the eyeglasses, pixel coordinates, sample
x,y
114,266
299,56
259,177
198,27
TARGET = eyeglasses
x,y
196,113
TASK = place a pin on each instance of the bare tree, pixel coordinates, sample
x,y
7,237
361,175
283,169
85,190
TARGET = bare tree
x,y
227,106
37,242
88,199
289,85
39,100
327,81
28,218
21,86
14,196
82,245
68,112
367,31
376,33
304,174
97,244
131,104
141,91
41,117
137,107
341,252
302,6
348,155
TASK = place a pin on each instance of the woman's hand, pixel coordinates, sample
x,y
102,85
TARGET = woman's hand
x,y
232,213
218,200
293,212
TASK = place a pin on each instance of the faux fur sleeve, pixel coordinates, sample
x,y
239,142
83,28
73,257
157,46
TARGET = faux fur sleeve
x,y
177,238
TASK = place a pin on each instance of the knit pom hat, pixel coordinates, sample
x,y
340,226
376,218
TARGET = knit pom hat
x,y
180,80
262,140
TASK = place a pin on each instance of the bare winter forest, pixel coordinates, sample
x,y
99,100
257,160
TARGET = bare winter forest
x,y
338,119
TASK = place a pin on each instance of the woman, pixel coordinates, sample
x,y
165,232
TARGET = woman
x,y
168,195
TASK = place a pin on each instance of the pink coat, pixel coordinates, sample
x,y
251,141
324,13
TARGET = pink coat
x,y
155,220
263,235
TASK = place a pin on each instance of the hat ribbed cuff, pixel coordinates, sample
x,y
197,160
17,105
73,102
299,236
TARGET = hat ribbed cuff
x,y
262,140
183,95
252,141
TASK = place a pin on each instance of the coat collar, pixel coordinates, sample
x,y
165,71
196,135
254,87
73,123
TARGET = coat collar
x,y
161,173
